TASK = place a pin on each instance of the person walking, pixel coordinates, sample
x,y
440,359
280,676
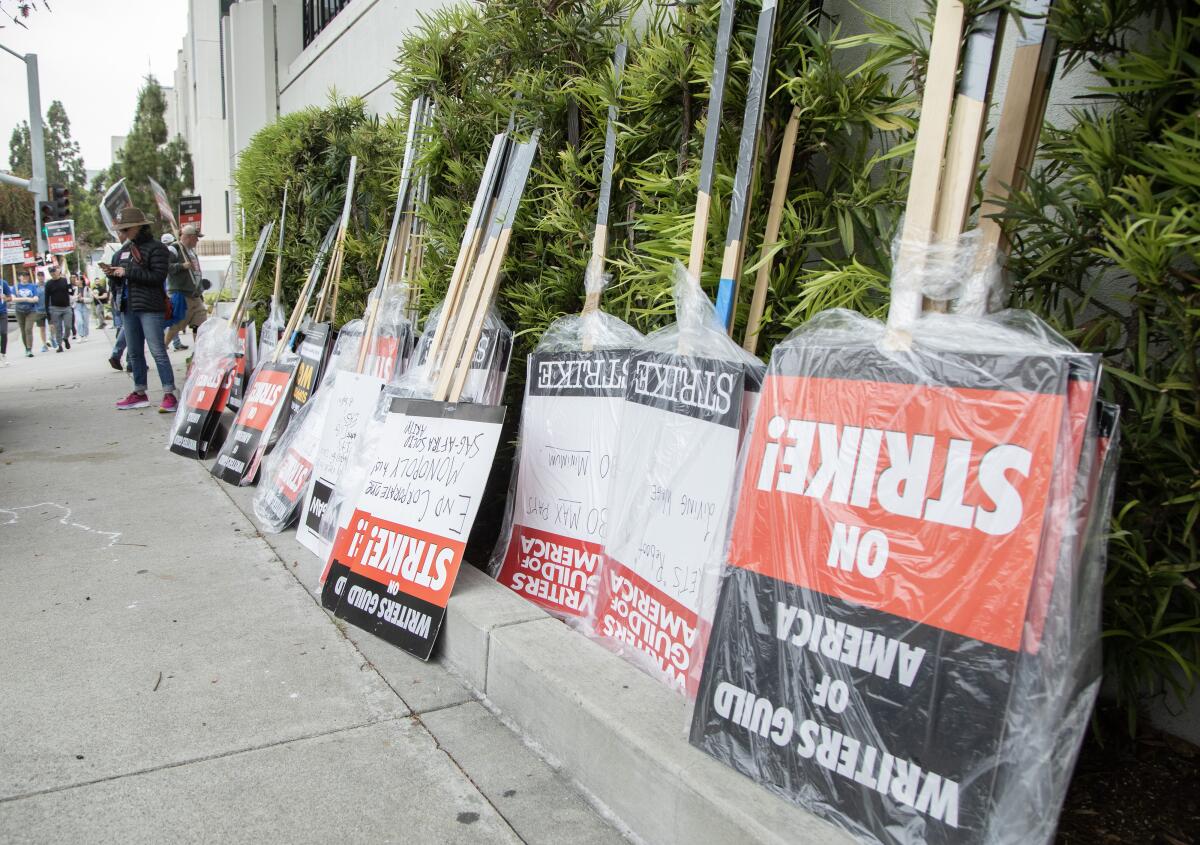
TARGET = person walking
x,y
141,264
185,285
116,301
100,300
29,302
58,307
83,305
6,296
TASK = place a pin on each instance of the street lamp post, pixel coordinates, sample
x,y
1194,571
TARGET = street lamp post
x,y
37,149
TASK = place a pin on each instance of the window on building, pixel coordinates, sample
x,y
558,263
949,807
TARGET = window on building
x,y
318,14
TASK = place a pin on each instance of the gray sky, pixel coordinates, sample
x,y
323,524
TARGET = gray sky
x,y
92,55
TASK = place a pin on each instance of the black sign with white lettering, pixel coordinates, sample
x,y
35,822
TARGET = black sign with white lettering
x,y
263,414
708,389
603,372
314,352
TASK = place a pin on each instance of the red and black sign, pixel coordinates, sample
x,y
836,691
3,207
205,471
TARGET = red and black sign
x,y
281,499
207,394
889,532
263,414
314,352
30,255
189,211
60,236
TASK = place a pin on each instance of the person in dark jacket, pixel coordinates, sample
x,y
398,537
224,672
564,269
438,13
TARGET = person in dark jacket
x,y
141,264
58,307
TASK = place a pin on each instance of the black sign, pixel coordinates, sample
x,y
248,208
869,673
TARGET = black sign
x,y
314,352
204,399
263,413
708,389
598,373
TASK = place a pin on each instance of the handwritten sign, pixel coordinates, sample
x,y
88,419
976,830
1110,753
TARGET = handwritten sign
x,y
353,400
678,451
393,567
263,414
560,509
888,532
204,397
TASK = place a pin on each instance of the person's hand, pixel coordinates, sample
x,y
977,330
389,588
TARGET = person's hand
x,y
118,272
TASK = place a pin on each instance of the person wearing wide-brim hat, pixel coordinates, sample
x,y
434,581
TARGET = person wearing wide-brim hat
x,y
141,265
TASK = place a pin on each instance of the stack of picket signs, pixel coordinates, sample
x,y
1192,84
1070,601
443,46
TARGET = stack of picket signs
x,y
407,497
306,463
874,564
907,626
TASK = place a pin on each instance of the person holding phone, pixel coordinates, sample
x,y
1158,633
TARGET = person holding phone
x,y
141,265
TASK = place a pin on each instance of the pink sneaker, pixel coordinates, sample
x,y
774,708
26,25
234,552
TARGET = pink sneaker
x,y
169,404
133,400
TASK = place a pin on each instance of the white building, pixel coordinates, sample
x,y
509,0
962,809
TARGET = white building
x,y
245,62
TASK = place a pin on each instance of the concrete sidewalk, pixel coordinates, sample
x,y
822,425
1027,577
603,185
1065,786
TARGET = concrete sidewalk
x,y
166,677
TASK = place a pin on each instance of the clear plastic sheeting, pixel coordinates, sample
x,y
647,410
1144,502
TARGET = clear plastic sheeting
x,y
906,638
484,386
287,471
489,365
205,391
681,422
556,517
272,330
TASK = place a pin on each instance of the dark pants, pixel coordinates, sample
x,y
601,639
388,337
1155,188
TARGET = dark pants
x,y
142,329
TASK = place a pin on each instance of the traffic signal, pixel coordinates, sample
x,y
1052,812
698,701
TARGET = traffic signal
x,y
47,210
60,198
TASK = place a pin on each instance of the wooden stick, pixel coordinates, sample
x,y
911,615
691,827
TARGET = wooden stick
x,y
476,225
335,266
924,185
783,175
739,206
467,328
966,134
600,237
712,130
1020,123
278,291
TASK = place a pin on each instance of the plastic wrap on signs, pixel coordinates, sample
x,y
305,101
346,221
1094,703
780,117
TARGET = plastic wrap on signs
x,y
287,470
264,413
205,391
872,652
245,359
393,567
557,514
314,349
489,365
675,471
272,331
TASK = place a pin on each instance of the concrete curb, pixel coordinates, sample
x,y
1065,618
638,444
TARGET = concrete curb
x,y
615,730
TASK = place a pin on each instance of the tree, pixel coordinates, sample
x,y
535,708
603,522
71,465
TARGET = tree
x,y
149,154
64,164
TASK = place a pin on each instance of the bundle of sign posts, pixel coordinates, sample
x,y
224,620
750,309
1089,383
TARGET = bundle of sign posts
x,y
874,564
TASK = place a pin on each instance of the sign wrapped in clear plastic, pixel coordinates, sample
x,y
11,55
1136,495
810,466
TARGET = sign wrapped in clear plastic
x,y
907,624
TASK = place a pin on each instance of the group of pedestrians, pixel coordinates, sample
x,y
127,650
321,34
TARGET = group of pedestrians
x,y
153,288
58,302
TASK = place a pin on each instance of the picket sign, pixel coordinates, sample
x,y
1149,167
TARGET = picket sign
x,y
898,634
783,175
354,394
739,203
393,564
165,211
210,381
551,547
264,412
